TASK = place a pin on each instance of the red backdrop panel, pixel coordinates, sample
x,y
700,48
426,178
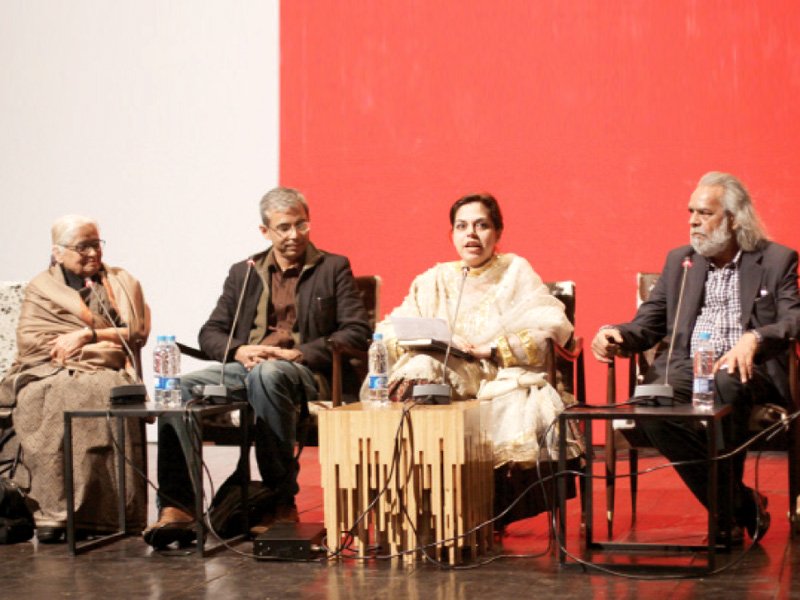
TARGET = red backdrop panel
x,y
590,121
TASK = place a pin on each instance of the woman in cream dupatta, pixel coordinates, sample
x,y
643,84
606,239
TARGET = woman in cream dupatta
x,y
505,317
69,356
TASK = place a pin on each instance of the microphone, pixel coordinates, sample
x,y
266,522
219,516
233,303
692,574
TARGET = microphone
x,y
134,393
664,390
440,393
219,393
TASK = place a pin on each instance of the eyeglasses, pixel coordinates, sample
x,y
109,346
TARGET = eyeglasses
x,y
84,247
282,230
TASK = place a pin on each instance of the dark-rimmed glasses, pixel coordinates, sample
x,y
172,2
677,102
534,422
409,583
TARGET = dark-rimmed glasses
x,y
84,247
282,230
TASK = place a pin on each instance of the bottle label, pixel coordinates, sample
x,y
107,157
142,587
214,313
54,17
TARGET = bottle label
x,y
702,385
378,382
168,383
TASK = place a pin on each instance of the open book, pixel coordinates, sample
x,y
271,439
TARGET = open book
x,y
425,335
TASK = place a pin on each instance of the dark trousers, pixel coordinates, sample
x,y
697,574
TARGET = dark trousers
x,y
278,390
683,441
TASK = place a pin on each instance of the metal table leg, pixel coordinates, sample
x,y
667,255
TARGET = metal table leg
x,y
69,484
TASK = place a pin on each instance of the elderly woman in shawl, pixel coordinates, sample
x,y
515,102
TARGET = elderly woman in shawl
x,y
505,317
69,356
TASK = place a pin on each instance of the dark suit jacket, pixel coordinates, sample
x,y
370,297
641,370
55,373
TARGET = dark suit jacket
x,y
770,305
328,306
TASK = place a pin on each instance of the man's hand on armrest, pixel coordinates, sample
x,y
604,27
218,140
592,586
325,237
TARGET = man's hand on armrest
x,y
607,344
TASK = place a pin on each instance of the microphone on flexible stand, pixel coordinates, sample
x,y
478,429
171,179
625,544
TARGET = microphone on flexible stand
x,y
440,393
134,393
664,390
219,393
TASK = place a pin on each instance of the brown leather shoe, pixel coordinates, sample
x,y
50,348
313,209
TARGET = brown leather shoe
x,y
282,514
263,525
173,525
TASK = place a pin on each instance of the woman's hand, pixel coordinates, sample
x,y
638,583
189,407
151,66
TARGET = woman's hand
x,y
68,345
483,351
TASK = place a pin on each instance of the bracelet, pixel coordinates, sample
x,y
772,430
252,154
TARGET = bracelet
x,y
757,335
507,358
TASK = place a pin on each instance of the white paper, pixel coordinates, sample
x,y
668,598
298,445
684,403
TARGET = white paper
x,y
419,328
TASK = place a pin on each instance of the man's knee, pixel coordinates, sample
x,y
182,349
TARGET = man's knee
x,y
730,389
269,374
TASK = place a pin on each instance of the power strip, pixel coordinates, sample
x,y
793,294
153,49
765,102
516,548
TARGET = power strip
x,y
290,541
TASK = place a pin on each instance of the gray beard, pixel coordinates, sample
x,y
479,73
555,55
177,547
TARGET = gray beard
x,y
714,244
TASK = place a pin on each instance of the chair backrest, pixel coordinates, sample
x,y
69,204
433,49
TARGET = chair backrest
x,y
568,373
369,288
564,291
11,295
645,282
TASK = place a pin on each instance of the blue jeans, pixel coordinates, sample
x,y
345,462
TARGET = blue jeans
x,y
278,391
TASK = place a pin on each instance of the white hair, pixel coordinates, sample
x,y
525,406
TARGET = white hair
x,y
736,201
63,230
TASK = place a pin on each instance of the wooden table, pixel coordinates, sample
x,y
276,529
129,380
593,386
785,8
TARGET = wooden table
x,y
432,485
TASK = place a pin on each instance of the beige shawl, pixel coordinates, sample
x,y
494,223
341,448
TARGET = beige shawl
x,y
52,308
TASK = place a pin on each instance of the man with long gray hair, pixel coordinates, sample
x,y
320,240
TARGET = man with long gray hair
x,y
741,290
290,300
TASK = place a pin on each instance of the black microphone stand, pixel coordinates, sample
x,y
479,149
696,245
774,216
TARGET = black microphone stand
x,y
659,391
219,393
133,393
441,393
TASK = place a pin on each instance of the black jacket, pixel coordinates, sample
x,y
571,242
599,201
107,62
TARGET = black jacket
x,y
770,305
328,306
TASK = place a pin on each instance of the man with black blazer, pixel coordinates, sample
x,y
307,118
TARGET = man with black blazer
x,y
291,299
742,290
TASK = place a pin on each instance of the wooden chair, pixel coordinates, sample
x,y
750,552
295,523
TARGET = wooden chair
x,y
369,288
621,437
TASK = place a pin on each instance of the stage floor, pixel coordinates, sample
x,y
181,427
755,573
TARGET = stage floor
x,y
130,569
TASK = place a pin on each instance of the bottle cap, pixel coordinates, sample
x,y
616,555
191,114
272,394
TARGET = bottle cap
x,y
377,336
705,336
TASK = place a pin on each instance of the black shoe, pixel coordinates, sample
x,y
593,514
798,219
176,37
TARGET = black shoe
x,y
162,537
50,535
730,537
758,524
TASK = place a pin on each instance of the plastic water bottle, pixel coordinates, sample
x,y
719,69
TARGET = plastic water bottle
x,y
167,371
158,359
703,385
378,371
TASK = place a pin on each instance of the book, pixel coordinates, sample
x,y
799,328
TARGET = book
x,y
431,345
425,335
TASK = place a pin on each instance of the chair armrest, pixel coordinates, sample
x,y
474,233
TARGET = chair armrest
x,y
338,351
574,354
794,374
193,352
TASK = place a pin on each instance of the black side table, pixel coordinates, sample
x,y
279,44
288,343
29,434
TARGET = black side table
x,y
678,412
188,424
